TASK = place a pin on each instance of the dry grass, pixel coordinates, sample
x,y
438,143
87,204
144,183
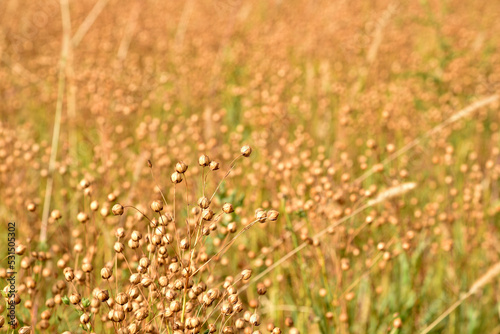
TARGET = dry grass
x,y
375,133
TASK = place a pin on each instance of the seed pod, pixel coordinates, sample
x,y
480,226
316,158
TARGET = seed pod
x,y
94,206
20,249
255,319
246,274
75,298
134,292
136,236
22,330
227,208
156,206
84,318
246,151
214,165
163,281
228,330
45,315
144,262
146,281
175,306
55,214
261,216
117,209
204,160
103,295
118,316
226,308
104,211
272,215
69,274
121,298
87,267
181,167
261,289
231,227
239,324
207,214
84,183
106,273
135,278
176,177
118,247
203,202
184,244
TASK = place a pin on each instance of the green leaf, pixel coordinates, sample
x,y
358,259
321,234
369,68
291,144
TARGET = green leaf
x,y
65,300
85,302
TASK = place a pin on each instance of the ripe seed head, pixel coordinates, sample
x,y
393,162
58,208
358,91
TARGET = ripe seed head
x,y
261,215
255,319
203,202
227,208
207,214
181,167
75,298
103,295
214,165
176,177
204,160
106,273
55,214
272,215
94,206
118,247
117,209
246,151
156,206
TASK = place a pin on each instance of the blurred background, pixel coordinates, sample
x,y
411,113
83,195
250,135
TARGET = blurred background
x,y
323,91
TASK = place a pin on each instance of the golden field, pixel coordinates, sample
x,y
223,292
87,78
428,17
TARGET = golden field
x,y
235,166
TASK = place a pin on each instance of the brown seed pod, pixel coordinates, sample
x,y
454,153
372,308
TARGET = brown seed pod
x,y
261,289
75,298
255,319
103,295
207,214
181,167
261,215
246,151
272,215
55,214
23,330
118,247
121,298
87,267
31,207
94,205
156,206
84,318
176,177
203,202
227,208
204,160
106,273
117,210
214,165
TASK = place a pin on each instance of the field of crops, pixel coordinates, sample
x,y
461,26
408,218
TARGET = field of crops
x,y
249,166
